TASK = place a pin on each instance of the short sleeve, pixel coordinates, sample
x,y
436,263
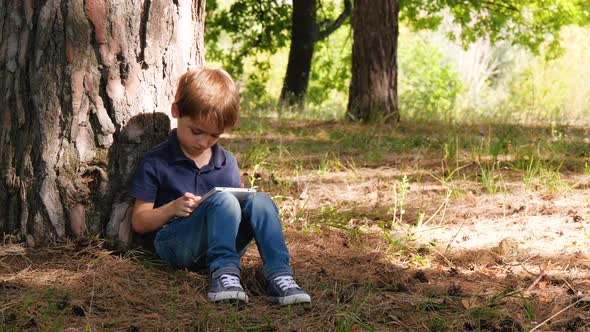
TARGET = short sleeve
x,y
145,181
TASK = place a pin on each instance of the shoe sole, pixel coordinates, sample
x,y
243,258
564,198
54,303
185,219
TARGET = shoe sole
x,y
228,296
292,299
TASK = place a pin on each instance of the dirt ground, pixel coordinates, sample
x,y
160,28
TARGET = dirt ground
x,y
436,253
503,262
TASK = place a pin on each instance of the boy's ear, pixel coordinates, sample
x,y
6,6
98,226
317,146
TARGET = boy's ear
x,y
175,111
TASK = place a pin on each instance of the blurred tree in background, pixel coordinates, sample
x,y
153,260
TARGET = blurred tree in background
x,y
255,27
529,23
251,39
305,32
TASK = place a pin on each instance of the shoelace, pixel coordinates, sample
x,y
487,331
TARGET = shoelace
x,y
228,280
286,282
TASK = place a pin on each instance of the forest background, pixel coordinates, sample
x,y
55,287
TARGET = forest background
x,y
441,76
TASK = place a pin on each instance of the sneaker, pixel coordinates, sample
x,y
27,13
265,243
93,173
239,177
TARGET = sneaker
x,y
226,287
284,290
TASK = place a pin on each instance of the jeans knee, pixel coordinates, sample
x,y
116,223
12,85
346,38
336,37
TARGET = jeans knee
x,y
260,201
225,201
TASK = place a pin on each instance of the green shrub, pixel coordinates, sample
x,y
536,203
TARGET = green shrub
x,y
555,91
428,84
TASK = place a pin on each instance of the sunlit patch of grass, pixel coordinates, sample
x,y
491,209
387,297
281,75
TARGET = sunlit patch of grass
x,y
490,177
311,144
450,162
552,182
331,216
256,154
406,246
330,163
542,176
400,196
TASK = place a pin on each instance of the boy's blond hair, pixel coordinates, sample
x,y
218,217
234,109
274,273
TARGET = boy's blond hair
x,y
210,95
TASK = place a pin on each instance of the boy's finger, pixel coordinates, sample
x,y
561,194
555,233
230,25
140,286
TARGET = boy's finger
x,y
190,195
196,201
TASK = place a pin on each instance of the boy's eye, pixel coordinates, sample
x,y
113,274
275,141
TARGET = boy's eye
x,y
198,132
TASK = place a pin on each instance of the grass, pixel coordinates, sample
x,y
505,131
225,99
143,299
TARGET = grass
x,y
361,207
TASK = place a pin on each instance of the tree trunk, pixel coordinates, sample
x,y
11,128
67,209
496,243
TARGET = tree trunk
x,y
82,83
305,32
303,38
373,86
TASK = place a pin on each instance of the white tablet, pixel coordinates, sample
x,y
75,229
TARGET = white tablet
x,y
240,193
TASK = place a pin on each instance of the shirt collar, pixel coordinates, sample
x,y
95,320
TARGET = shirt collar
x,y
176,154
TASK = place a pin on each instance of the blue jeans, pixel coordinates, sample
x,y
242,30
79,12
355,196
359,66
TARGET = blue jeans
x,y
218,232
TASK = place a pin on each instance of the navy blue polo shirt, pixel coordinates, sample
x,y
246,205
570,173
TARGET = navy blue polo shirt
x,y
165,173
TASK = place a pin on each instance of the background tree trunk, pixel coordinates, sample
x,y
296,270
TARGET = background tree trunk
x,y
373,86
303,38
81,83
305,32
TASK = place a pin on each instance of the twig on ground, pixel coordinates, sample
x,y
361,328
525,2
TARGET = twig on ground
x,y
443,204
536,281
449,263
455,236
6,267
531,273
586,298
572,289
18,274
91,300
12,249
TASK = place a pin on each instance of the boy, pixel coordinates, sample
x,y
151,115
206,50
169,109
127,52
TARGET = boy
x,y
214,233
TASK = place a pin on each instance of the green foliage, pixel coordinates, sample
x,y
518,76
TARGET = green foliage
x,y
251,39
556,90
245,29
255,93
529,23
331,70
488,178
245,36
428,85
508,84
584,17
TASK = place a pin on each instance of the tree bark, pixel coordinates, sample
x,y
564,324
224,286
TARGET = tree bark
x,y
303,38
86,89
373,86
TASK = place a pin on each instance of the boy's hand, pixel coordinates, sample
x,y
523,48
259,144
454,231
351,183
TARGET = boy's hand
x,y
184,206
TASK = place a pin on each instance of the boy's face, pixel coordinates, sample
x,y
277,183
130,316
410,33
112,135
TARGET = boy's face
x,y
195,137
